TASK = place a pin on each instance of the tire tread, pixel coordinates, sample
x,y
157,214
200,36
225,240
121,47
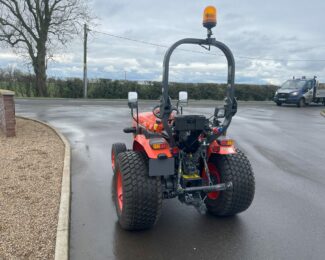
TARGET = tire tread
x,y
142,195
237,169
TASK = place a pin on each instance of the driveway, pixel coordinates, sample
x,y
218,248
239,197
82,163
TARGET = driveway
x,y
285,145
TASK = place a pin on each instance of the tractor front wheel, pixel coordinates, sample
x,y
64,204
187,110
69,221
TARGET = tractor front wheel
x,y
137,196
237,169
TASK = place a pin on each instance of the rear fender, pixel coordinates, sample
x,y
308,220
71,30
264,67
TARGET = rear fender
x,y
141,143
216,148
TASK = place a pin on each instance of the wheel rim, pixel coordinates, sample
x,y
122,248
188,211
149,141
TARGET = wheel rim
x,y
119,190
215,176
113,160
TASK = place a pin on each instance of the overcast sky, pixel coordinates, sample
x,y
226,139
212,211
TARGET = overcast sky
x,y
286,29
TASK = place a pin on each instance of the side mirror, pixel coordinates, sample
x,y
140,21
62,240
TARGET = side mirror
x,y
183,98
133,99
219,112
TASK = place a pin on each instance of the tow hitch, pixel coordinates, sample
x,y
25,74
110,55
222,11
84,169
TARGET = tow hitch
x,y
192,196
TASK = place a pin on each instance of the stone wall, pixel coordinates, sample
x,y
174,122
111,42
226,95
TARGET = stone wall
x,y
7,113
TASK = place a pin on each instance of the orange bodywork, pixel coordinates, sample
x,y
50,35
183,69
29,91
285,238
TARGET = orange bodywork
x,y
217,148
149,121
141,143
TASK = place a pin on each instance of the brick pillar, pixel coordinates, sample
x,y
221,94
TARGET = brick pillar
x,y
7,113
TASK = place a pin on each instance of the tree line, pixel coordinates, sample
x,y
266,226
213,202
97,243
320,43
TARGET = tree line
x,y
23,84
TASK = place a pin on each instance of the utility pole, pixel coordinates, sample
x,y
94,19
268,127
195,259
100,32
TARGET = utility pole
x,y
125,75
85,60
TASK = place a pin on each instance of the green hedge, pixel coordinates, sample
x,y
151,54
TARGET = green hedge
x,y
23,85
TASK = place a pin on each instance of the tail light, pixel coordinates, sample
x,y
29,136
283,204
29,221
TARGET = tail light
x,y
226,142
158,144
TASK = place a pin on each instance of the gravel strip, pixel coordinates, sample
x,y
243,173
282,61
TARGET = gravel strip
x,y
31,167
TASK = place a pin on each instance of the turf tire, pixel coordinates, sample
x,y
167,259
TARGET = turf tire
x,y
142,194
237,169
117,148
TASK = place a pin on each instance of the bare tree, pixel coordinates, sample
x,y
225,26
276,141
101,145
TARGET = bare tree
x,y
37,27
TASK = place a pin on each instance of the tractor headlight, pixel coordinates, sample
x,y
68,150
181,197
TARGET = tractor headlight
x,y
294,93
276,93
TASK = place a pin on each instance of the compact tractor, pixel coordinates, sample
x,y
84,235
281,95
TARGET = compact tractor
x,y
188,157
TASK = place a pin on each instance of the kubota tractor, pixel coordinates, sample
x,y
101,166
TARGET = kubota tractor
x,y
183,156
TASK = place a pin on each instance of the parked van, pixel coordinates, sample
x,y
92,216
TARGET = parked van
x,y
300,92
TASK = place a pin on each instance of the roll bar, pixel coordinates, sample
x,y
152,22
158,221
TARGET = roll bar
x,y
230,101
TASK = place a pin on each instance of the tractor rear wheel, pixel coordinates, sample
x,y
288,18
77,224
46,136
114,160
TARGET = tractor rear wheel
x,y
116,149
137,196
237,169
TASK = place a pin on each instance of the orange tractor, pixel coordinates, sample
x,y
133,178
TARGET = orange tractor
x,y
183,156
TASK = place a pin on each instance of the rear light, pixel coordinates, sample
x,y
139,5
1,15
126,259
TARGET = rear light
x,y
158,144
215,130
226,142
175,150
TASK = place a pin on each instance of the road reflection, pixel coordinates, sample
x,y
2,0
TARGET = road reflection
x,y
182,234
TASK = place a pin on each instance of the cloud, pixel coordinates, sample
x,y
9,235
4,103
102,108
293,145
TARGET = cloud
x,y
8,56
275,29
199,66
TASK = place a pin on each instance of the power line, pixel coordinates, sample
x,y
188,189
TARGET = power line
x,y
152,44
286,60
201,52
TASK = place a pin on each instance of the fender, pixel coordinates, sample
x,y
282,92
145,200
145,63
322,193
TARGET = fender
x,y
216,148
141,143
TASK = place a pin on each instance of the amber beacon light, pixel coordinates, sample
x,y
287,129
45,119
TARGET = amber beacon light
x,y
210,17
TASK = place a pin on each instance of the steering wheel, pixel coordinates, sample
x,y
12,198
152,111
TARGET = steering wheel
x,y
156,112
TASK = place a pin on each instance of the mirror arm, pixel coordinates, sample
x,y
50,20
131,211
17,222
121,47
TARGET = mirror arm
x,y
136,119
137,116
132,114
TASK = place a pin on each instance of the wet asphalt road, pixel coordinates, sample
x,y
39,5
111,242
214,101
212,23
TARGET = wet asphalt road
x,y
285,145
